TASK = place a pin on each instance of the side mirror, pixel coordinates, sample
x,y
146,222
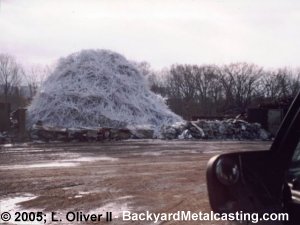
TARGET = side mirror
x,y
227,171
246,181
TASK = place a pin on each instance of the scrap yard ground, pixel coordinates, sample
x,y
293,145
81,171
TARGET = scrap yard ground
x,y
135,175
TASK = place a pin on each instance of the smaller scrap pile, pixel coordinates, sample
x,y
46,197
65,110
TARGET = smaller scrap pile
x,y
233,129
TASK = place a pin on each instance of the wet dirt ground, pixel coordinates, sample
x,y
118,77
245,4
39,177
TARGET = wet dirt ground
x,y
136,175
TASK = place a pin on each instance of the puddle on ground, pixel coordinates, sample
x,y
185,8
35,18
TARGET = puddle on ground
x,y
7,145
71,162
40,165
116,209
80,194
84,192
150,153
11,205
125,197
213,152
90,159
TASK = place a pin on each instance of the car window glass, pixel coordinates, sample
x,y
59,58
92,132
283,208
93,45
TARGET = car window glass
x,y
296,157
294,172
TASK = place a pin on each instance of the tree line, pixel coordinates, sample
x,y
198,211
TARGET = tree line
x,y
212,90
18,85
189,90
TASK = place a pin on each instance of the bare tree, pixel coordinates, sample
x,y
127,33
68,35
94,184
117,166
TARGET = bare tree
x,y
209,90
295,86
144,67
194,90
283,79
35,76
240,82
279,84
268,87
181,82
157,82
10,75
180,89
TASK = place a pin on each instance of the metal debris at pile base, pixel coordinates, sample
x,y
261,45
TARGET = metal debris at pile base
x,y
47,133
232,129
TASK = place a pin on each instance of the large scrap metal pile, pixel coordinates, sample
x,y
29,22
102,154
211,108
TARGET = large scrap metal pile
x,y
98,88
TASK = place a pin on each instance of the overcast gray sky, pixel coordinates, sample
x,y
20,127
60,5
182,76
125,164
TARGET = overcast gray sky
x,y
161,32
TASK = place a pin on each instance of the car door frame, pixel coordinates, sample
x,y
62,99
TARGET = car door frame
x,y
271,166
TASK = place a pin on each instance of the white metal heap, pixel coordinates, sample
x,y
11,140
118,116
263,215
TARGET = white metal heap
x,y
98,88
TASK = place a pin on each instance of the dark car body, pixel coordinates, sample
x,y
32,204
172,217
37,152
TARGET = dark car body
x,y
261,181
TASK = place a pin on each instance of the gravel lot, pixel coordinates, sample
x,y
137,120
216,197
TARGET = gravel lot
x,y
137,175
